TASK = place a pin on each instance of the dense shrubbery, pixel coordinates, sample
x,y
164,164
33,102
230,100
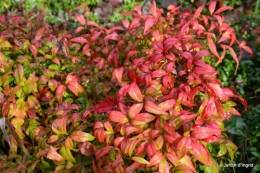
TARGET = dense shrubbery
x,y
244,131
142,97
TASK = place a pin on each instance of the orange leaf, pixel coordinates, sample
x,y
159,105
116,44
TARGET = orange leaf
x,y
118,117
34,50
54,155
168,104
117,73
157,158
201,152
80,136
144,117
60,92
134,110
153,108
39,33
204,132
135,92
76,88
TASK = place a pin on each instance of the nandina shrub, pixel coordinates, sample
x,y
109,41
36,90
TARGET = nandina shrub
x,y
170,105
42,98
141,97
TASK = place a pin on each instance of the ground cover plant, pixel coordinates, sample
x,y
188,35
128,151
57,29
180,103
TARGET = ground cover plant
x,y
142,97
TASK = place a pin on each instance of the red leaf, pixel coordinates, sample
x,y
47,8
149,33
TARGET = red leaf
x,y
234,55
118,73
183,146
201,53
81,19
118,141
134,110
79,40
168,104
204,132
164,167
125,23
144,118
5,108
217,91
131,53
34,50
76,88
158,46
212,47
103,151
225,36
198,11
169,42
224,8
172,158
91,23
118,117
104,107
53,138
148,24
39,33
80,136
157,158
141,148
229,93
158,73
153,108
153,9
72,77
59,125
87,149
212,7
95,36
60,92
201,152
112,36
135,22
135,92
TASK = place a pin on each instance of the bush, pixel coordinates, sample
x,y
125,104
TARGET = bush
x,y
138,98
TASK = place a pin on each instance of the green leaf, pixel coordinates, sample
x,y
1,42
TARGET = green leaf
x,y
66,153
256,154
214,168
232,148
54,67
222,151
8,80
140,160
256,167
26,44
